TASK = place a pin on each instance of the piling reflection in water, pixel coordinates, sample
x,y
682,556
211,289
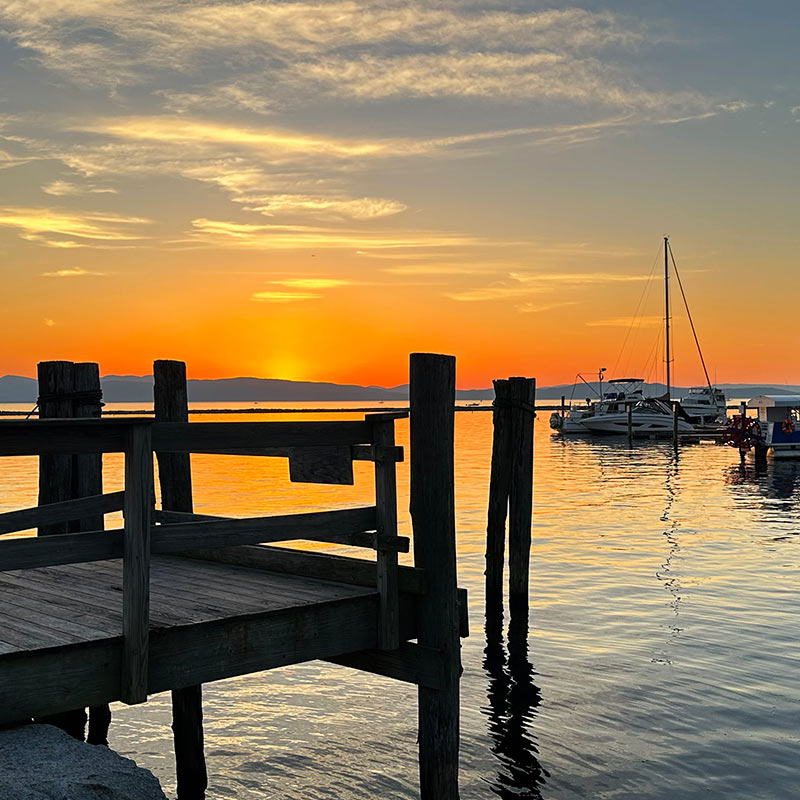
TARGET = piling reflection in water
x,y
513,699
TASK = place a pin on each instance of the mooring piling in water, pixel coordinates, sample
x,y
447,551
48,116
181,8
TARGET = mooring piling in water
x,y
171,404
69,390
511,486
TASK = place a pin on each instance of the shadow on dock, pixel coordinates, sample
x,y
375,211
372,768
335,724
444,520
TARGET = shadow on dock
x,y
513,699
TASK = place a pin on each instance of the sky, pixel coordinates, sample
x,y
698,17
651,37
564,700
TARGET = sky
x,y
312,190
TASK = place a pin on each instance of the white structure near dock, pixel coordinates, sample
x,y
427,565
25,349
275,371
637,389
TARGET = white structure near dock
x,y
780,423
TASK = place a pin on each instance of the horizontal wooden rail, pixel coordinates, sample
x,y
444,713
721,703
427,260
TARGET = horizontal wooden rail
x,y
67,548
67,436
358,452
65,511
55,437
338,526
228,437
350,526
375,541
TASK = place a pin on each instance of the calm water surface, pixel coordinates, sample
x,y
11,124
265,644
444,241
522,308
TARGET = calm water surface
x,y
660,660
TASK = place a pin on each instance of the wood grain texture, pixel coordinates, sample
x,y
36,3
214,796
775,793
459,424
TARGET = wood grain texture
x,y
324,566
136,564
327,464
523,395
321,526
214,437
62,436
432,400
499,489
55,471
65,511
70,548
171,404
387,563
412,663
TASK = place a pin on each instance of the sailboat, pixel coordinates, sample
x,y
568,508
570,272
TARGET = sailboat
x,y
626,410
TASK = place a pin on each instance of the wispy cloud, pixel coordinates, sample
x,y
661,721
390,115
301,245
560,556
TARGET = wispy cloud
x,y
626,322
72,272
284,297
542,278
522,284
313,283
443,269
227,234
491,293
62,228
537,308
270,55
65,188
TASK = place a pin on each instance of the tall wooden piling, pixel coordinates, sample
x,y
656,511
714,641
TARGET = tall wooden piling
x,y
432,396
175,479
511,486
57,482
56,386
87,481
523,392
499,489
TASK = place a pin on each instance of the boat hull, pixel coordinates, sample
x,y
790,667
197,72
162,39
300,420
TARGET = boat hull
x,y
641,425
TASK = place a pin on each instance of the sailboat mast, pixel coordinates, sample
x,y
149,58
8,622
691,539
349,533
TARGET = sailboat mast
x,y
666,310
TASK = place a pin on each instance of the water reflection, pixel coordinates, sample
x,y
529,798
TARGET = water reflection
x,y
669,576
776,479
513,699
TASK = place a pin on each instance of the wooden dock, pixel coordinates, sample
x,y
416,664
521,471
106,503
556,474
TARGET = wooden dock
x,y
175,599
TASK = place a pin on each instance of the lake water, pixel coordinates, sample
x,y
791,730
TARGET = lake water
x,y
661,658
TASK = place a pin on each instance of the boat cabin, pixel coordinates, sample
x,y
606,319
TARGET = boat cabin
x,y
775,407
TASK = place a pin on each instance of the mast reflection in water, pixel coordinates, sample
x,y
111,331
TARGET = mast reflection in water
x,y
513,699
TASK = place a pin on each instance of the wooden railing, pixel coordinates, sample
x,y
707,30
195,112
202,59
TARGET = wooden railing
x,y
318,452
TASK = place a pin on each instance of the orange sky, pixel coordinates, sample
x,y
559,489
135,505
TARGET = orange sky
x,y
315,194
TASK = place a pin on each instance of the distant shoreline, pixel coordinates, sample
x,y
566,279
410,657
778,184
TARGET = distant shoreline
x,y
264,410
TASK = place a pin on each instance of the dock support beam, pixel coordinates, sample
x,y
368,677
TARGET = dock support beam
x,y
175,478
432,396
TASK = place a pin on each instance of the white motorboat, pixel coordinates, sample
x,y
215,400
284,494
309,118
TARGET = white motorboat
x,y
779,421
705,405
649,417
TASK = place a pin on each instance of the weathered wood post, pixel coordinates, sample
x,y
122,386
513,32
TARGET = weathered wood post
x,y
523,395
56,473
499,490
87,481
511,487
432,396
56,385
175,478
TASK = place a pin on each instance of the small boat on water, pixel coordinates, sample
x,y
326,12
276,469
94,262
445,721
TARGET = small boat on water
x,y
779,423
703,409
650,416
705,405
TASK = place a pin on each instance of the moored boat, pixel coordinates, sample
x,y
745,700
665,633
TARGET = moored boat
x,y
779,421
705,405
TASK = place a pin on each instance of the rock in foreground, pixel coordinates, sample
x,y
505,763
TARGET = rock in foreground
x,y
40,762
